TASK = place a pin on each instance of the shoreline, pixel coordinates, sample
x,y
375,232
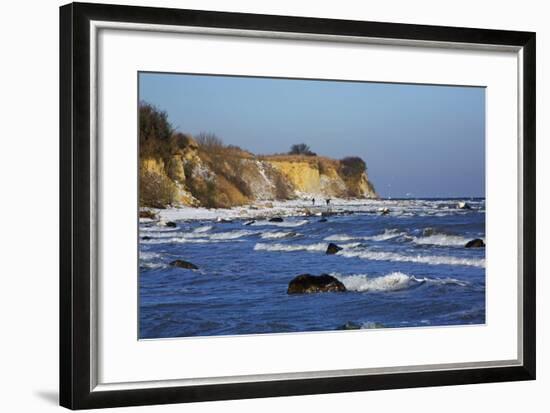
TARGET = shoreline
x,y
305,208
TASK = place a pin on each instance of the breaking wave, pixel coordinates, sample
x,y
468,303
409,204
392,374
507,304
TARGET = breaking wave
x,y
386,235
277,234
231,235
442,240
200,230
423,259
391,282
340,237
289,247
287,224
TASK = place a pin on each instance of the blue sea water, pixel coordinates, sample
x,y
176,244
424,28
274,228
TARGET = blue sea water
x,y
404,269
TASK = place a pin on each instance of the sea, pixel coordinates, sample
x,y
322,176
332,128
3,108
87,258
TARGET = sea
x,y
403,262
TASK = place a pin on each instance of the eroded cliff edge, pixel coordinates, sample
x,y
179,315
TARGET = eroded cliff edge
x,y
176,170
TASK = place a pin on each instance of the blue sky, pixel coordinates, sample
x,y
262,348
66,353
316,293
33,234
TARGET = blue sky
x,y
417,140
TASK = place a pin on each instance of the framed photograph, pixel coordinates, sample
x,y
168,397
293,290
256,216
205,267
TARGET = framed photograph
x,y
258,206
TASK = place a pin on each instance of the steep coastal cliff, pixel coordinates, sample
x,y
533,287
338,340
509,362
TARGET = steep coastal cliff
x,y
176,170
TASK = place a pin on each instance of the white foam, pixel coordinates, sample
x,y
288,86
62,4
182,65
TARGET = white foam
x,y
289,247
386,235
147,255
231,235
391,282
286,224
200,230
176,240
340,237
424,259
156,228
321,246
441,239
277,234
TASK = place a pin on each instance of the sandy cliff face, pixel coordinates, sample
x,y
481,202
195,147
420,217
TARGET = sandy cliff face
x,y
226,177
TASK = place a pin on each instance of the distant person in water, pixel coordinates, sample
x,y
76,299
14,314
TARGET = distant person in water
x,y
313,201
328,201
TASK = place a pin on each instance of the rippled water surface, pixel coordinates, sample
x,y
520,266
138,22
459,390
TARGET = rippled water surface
x,y
407,268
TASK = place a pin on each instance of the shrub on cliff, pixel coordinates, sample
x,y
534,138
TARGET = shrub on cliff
x,y
301,149
154,131
352,166
155,190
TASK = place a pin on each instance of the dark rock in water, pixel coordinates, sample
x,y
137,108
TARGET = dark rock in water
x,y
323,220
171,224
184,264
249,222
145,213
146,238
224,221
475,243
428,231
276,219
333,248
307,283
463,205
350,325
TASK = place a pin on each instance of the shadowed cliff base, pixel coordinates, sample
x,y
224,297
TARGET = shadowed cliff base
x,y
177,169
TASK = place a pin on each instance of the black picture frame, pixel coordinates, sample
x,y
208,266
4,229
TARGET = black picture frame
x,y
75,219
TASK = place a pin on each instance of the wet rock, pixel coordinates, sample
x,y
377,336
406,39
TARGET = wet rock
x,y
307,284
276,219
146,238
463,205
249,222
184,264
170,224
350,325
333,248
384,211
323,220
224,221
145,213
428,232
475,243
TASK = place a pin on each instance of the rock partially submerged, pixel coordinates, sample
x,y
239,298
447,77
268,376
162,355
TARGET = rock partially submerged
x,y
333,249
276,219
463,205
323,220
170,224
184,264
307,284
350,325
249,222
146,238
384,211
475,243
147,213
